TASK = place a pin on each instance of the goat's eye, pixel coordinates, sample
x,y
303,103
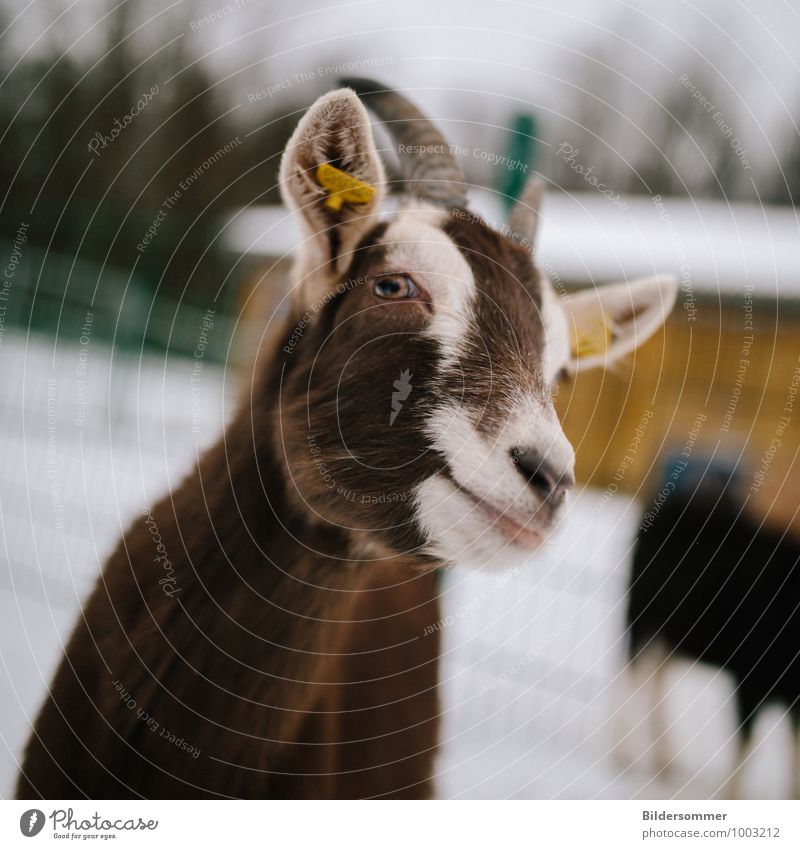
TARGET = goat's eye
x,y
396,287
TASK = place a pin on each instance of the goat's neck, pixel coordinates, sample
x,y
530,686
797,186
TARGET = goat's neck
x,y
252,499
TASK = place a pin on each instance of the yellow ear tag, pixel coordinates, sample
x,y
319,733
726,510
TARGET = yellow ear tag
x,y
592,339
342,188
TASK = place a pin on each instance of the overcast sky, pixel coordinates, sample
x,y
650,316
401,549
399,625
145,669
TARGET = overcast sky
x,y
473,62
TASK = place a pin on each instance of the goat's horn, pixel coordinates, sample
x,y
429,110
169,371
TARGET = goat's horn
x,y
524,218
429,168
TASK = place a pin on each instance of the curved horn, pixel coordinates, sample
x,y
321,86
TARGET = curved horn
x,y
524,218
429,168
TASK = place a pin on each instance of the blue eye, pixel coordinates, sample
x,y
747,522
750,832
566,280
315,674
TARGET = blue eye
x,y
396,287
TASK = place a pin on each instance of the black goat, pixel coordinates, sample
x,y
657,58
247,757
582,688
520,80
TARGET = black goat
x,y
710,583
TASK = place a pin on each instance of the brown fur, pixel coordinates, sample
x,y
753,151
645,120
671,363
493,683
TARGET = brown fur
x,y
294,672
507,338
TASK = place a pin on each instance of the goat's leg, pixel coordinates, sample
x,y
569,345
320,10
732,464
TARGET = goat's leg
x,y
623,751
650,667
746,707
744,739
657,716
646,675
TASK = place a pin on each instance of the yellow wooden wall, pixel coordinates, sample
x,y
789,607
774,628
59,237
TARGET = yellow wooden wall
x,y
687,371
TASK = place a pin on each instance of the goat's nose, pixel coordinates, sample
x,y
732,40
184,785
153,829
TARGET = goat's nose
x,y
550,482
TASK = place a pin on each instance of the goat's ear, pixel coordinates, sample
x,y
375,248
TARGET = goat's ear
x,y
332,175
608,322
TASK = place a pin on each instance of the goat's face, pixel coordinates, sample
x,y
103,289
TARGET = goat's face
x,y
416,402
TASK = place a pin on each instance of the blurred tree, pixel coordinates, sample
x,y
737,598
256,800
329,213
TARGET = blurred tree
x,y
785,182
98,202
654,137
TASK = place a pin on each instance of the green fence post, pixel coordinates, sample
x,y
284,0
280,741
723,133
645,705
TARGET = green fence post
x,y
521,153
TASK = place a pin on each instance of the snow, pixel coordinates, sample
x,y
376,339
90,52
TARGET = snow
x,y
716,249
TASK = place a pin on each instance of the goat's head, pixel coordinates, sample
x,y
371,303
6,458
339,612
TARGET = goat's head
x,y
418,372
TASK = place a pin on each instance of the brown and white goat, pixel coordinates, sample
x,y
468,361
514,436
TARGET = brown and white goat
x,y
403,420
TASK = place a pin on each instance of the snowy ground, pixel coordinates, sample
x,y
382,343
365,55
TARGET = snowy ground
x,y
531,675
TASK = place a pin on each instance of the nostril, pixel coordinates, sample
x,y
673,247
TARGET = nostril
x,y
541,481
540,474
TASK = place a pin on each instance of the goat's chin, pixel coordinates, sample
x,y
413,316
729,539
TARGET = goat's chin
x,y
465,531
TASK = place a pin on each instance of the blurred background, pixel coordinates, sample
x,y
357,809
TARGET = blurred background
x,y
144,257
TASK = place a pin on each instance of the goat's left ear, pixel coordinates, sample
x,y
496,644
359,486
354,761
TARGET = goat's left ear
x,y
608,322
332,175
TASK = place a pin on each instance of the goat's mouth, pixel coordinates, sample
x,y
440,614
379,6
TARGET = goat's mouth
x,y
527,532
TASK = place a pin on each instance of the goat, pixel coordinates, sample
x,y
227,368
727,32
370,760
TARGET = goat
x,y
711,584
287,658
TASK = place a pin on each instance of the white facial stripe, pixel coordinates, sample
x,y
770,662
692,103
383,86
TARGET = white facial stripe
x,y
484,466
417,244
